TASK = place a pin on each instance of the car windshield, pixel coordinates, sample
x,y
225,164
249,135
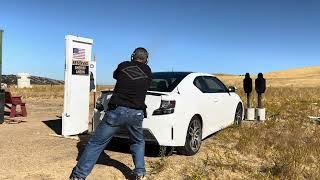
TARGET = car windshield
x,y
166,81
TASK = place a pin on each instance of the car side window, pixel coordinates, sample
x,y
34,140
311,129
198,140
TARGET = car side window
x,y
199,83
214,85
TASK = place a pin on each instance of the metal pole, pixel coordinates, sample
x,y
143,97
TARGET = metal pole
x,y
94,93
260,100
2,94
94,98
248,100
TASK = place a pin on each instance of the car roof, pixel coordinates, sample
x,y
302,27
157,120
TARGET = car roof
x,y
196,74
184,73
202,74
175,72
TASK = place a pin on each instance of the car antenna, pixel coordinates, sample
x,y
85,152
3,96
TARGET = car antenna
x,y
178,90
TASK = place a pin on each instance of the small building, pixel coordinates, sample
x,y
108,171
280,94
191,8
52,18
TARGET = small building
x,y
23,80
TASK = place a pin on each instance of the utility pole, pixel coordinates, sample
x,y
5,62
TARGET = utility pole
x,y
94,95
2,94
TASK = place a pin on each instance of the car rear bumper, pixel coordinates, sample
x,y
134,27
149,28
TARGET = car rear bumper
x,y
158,129
163,128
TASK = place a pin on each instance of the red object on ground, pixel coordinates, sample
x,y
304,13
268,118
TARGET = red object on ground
x,y
15,101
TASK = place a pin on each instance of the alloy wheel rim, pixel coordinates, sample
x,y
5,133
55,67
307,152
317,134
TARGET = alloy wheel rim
x,y
195,135
238,115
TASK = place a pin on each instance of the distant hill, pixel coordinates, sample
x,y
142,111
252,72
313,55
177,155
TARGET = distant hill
x,y
305,72
35,80
298,77
224,74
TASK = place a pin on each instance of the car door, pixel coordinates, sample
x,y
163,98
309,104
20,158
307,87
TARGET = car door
x,y
207,107
222,103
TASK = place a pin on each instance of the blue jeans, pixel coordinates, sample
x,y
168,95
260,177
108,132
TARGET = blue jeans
x,y
113,120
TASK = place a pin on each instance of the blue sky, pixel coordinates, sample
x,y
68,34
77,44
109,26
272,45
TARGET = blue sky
x,y
214,36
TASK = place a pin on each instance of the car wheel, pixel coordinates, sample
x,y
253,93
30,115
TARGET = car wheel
x,y
238,115
193,139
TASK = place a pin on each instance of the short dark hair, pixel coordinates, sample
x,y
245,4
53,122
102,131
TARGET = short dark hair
x,y
141,54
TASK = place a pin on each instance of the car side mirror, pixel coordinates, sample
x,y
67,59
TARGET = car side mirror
x,y
232,89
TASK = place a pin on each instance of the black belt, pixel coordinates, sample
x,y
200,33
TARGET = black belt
x,y
114,106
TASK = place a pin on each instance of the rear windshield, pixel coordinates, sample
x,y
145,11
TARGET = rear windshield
x,y
166,81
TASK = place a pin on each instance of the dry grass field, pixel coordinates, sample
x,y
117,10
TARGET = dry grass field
x,y
285,146
300,77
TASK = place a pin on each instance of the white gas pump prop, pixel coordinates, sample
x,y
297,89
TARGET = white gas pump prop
x,y
75,117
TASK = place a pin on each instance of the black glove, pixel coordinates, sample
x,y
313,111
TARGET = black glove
x,y
99,107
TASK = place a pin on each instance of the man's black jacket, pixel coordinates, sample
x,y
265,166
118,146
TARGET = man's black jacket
x,y
133,81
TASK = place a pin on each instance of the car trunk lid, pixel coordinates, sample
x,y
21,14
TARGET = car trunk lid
x,y
153,100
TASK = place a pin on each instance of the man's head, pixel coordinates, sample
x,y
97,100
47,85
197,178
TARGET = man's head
x,y
140,54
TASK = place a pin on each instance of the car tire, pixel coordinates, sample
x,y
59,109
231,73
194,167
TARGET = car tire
x,y
193,138
238,115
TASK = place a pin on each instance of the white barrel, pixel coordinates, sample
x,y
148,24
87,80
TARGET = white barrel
x,y
23,80
249,115
260,114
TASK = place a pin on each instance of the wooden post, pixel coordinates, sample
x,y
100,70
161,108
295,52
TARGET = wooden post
x,y
248,100
260,100
2,94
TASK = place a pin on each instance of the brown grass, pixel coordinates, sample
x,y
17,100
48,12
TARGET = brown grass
x,y
285,146
300,77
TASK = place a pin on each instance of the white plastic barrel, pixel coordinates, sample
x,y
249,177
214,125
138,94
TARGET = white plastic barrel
x,y
260,114
23,80
249,115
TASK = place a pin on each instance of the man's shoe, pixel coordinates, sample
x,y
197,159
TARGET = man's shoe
x,y
141,177
76,178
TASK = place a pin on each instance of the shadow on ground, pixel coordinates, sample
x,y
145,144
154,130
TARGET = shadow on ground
x,y
13,120
55,125
116,145
104,159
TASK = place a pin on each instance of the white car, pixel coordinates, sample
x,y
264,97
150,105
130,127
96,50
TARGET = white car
x,y
183,108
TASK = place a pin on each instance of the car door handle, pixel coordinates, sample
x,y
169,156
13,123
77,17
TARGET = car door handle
x,y
215,99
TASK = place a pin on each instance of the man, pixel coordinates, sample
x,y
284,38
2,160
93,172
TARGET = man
x,y
125,110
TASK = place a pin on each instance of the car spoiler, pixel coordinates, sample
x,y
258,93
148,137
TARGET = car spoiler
x,y
106,91
157,93
154,93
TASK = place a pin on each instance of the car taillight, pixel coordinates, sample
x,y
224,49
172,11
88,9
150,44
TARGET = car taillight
x,y
166,107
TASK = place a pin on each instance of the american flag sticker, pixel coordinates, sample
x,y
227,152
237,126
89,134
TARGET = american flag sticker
x,y
78,54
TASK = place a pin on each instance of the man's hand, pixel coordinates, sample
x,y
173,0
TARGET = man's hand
x,y
99,106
